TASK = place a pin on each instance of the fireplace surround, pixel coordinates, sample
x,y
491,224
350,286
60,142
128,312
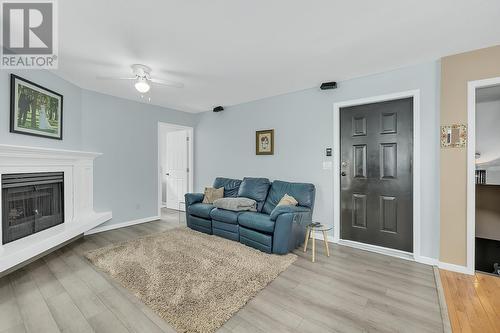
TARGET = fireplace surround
x,y
44,224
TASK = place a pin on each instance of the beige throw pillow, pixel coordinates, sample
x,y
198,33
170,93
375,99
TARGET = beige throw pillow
x,y
211,194
288,200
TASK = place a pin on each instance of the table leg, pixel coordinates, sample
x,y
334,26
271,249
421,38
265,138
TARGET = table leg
x,y
314,245
307,239
325,238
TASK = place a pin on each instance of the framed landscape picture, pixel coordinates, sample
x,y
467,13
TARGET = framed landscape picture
x,y
35,110
264,142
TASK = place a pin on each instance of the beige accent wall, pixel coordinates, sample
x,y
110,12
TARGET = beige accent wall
x,y
456,71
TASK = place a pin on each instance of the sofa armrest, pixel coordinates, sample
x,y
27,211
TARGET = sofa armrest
x,y
192,198
284,209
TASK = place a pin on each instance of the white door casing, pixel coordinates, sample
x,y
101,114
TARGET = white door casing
x,y
415,255
176,168
164,128
472,86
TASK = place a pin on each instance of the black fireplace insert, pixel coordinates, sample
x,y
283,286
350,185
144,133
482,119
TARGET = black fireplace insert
x,y
31,202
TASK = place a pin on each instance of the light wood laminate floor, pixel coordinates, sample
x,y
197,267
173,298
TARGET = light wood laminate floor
x,y
351,291
473,301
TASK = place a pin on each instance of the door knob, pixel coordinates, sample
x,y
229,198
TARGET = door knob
x,y
167,174
343,174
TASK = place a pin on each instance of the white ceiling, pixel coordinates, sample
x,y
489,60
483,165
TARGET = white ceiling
x,y
228,52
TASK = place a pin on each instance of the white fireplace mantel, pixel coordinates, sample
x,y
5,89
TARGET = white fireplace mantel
x,y
79,214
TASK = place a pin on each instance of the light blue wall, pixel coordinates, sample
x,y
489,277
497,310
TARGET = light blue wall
x,y
126,132
72,133
303,123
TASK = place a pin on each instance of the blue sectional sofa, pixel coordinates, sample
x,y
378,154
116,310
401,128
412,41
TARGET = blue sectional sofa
x,y
272,229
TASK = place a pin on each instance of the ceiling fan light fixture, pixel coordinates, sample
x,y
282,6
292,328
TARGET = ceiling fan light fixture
x,y
142,85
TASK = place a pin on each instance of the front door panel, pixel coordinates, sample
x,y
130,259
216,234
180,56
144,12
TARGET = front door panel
x,y
376,174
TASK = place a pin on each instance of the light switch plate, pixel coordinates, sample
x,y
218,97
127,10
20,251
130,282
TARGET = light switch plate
x,y
327,165
454,136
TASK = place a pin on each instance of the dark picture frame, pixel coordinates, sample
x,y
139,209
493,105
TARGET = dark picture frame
x,y
264,142
28,99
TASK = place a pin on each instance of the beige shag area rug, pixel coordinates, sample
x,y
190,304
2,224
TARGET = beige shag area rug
x,y
194,281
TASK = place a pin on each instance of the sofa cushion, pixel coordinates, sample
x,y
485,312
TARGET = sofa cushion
x,y
200,224
255,188
201,210
226,216
225,226
302,192
235,236
231,186
256,239
256,221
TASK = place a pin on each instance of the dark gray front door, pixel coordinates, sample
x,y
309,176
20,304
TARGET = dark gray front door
x,y
376,174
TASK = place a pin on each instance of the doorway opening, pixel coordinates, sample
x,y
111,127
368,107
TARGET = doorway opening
x,y
377,174
483,178
175,167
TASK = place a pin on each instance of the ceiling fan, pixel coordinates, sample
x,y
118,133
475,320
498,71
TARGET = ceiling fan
x,y
143,79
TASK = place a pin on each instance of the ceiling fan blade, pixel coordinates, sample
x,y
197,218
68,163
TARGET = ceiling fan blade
x,y
114,78
168,83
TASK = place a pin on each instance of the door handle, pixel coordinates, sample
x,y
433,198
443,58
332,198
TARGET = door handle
x,y
343,174
167,174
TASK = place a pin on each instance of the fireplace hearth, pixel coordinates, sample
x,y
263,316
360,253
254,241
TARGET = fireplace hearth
x,y
31,202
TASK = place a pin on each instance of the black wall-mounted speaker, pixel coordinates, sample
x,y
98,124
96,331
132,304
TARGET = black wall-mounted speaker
x,y
328,85
218,109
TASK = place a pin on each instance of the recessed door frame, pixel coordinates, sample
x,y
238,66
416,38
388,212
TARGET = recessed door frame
x,y
190,131
472,86
415,94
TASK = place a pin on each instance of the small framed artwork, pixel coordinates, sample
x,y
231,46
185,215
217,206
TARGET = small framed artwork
x,y
35,110
264,142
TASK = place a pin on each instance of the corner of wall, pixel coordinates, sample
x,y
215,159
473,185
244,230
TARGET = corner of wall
x,y
456,72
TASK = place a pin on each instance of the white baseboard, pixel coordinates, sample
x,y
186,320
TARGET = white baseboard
x,y
385,251
455,268
121,225
427,260
377,249
403,255
368,247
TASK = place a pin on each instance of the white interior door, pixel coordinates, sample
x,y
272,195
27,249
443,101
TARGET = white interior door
x,y
176,171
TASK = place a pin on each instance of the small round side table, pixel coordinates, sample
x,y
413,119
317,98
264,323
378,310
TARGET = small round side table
x,y
310,229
